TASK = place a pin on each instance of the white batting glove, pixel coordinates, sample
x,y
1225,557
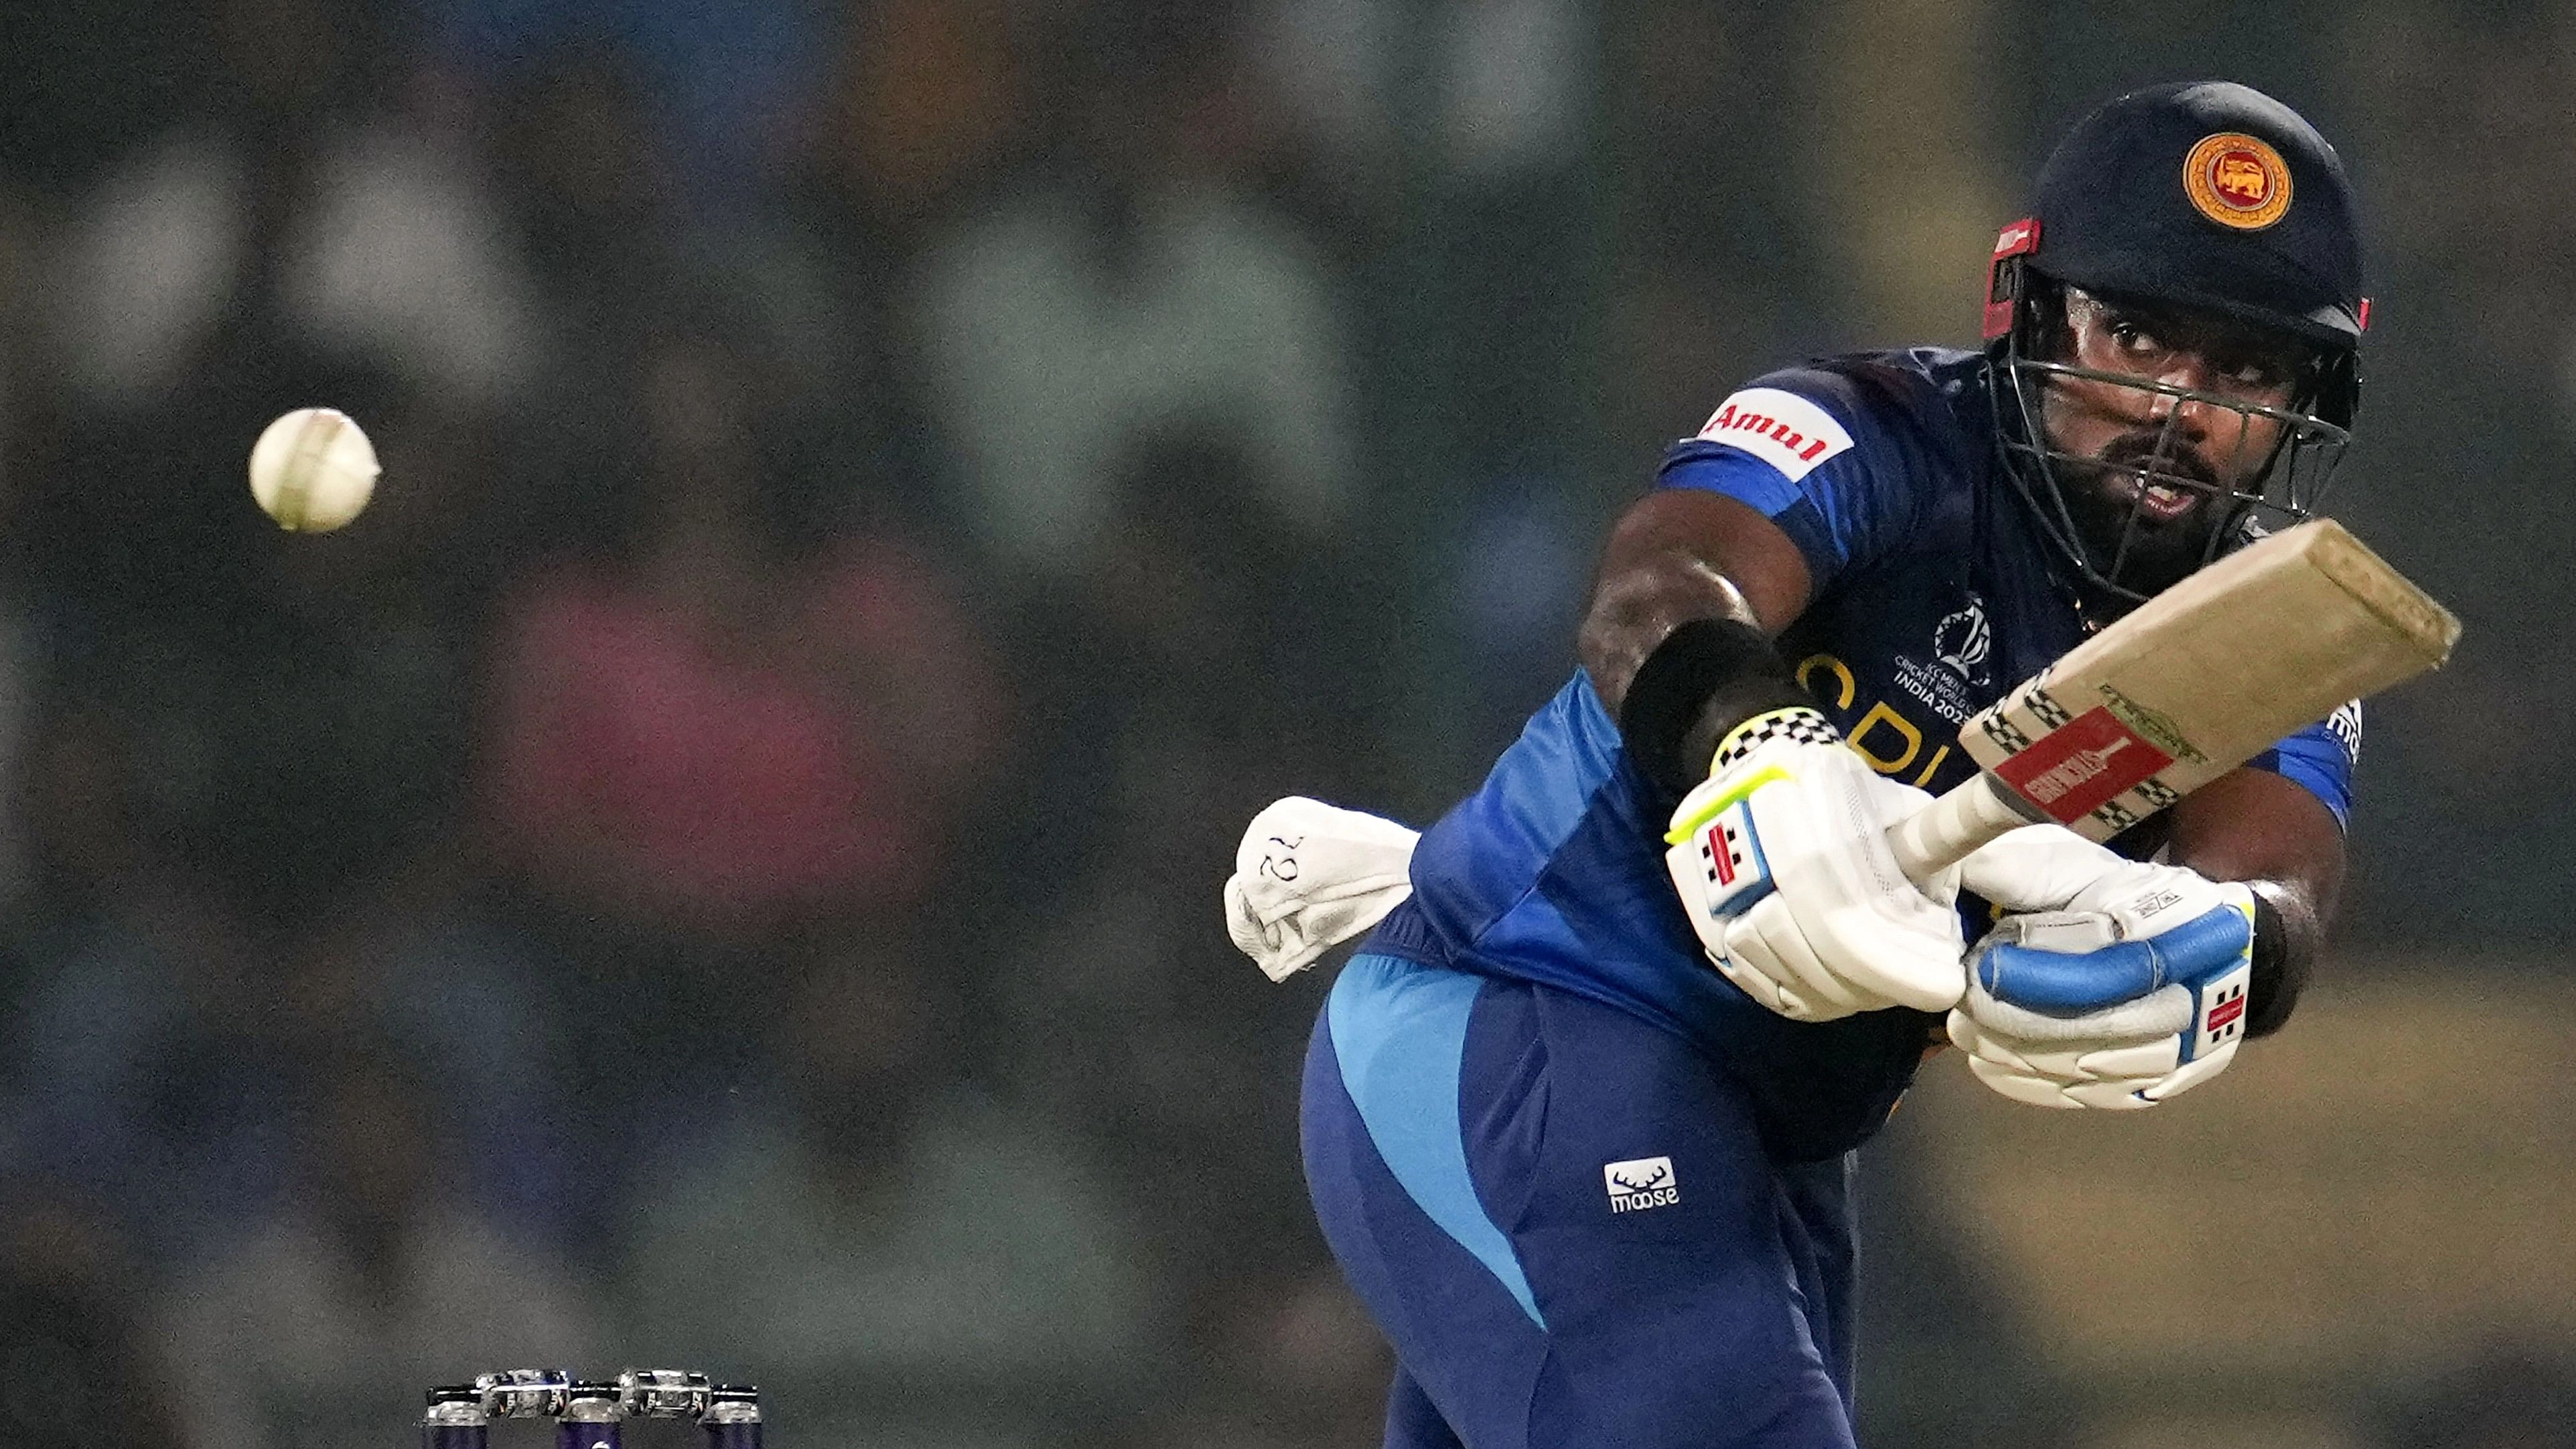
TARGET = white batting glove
x,y
2120,983
1782,864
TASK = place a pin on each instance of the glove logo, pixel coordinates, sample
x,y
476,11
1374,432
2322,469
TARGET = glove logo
x,y
1640,1183
1722,848
2224,1015
1728,853
2223,1003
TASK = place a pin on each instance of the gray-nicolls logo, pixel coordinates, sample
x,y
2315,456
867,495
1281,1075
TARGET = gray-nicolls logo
x,y
1963,640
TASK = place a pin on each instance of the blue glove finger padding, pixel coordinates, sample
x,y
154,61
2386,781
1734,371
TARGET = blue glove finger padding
x,y
2065,965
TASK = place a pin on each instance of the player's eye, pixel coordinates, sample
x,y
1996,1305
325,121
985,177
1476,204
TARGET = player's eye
x,y
2252,373
2131,338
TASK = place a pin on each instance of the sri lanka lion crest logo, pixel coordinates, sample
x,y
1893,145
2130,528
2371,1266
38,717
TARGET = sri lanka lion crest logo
x,y
2237,181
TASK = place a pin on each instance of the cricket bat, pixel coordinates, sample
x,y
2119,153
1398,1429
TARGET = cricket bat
x,y
2198,680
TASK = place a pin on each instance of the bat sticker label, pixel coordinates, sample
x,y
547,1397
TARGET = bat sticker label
x,y
2083,766
2157,727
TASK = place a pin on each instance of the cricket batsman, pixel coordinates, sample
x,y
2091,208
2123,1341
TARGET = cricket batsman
x,y
1578,1121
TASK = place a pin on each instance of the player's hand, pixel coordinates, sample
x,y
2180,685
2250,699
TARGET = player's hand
x,y
1782,864
2118,984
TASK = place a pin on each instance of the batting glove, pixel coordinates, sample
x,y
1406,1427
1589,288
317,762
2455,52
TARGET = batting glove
x,y
2120,983
1781,861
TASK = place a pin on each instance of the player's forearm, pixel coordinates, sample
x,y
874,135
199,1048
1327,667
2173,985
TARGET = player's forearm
x,y
1639,602
1691,587
1679,658
2256,827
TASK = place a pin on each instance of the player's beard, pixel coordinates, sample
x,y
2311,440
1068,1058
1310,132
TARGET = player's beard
x,y
2146,518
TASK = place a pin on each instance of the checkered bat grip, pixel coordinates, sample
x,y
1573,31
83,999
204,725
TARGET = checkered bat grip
x,y
1796,726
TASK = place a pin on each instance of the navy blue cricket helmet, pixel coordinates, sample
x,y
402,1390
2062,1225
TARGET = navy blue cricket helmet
x,y
2205,195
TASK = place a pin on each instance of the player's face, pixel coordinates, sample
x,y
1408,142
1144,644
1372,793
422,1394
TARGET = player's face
x,y
2149,464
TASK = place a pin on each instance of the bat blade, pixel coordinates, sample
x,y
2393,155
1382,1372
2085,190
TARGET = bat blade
x,y
2192,684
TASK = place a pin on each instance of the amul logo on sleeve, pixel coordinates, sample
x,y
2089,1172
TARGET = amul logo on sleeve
x,y
1646,1182
1781,428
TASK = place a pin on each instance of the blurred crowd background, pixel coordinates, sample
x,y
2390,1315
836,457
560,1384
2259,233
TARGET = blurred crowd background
x,y
719,865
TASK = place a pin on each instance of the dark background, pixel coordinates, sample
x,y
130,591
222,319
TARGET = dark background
x,y
719,865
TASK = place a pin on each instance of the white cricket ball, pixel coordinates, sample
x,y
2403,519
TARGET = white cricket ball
x,y
312,470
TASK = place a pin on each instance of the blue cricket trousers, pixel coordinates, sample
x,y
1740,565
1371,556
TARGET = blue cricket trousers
x,y
1566,1223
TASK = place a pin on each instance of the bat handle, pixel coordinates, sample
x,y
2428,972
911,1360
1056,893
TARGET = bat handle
x,y
1950,829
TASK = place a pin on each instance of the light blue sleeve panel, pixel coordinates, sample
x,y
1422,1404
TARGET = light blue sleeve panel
x,y
1829,462
2321,758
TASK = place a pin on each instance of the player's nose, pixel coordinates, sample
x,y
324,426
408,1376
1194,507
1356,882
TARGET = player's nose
x,y
2188,417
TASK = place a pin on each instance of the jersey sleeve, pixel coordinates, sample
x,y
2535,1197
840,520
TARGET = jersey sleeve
x,y
2321,758
1818,456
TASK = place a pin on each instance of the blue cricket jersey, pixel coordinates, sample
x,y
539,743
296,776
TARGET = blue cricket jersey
x,y
1932,593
